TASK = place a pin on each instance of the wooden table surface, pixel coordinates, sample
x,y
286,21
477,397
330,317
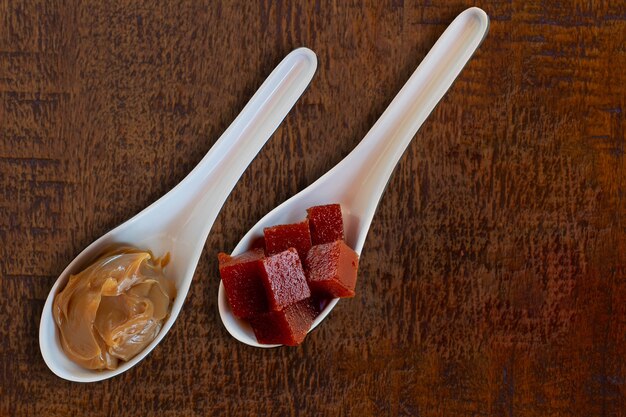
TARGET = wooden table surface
x,y
493,280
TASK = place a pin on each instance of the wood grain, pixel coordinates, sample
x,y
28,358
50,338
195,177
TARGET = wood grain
x,y
493,281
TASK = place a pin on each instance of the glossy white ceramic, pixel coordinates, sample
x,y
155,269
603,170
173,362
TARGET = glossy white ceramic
x,y
359,180
180,221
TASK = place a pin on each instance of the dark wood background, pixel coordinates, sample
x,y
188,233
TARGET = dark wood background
x,y
493,281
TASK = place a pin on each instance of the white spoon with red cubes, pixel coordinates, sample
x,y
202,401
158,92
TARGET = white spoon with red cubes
x,y
359,180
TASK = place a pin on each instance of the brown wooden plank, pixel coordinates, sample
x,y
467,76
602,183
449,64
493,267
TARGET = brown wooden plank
x,y
493,281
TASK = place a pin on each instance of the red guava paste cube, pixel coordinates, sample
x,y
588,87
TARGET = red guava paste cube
x,y
286,327
326,223
284,236
284,279
319,301
258,242
242,280
331,269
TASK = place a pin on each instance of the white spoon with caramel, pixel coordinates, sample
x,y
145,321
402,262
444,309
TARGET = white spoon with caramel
x,y
359,180
177,224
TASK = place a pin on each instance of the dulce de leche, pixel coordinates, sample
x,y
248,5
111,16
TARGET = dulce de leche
x,y
113,309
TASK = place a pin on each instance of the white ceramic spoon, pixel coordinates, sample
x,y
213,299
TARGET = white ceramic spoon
x,y
180,221
358,181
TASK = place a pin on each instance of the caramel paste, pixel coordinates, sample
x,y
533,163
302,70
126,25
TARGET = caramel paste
x,y
113,309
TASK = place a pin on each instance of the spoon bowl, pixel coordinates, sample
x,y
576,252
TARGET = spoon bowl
x,y
359,180
180,221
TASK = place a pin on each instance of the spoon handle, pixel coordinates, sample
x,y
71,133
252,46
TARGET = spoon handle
x,y
381,149
187,212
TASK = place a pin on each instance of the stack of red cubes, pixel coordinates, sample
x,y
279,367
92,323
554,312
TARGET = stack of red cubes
x,y
278,287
